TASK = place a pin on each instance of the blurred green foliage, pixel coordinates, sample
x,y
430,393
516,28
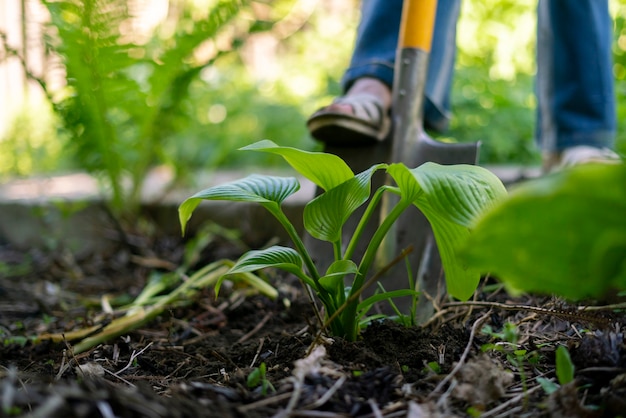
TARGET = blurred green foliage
x,y
559,234
31,144
215,75
493,98
493,94
619,70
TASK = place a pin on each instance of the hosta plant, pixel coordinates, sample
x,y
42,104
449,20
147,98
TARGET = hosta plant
x,y
451,197
562,234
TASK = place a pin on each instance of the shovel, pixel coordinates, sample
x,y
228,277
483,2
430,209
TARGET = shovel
x,y
409,144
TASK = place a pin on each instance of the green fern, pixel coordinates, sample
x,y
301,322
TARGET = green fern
x,y
88,44
119,110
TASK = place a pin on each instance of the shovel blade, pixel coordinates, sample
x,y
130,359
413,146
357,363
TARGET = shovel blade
x,y
413,230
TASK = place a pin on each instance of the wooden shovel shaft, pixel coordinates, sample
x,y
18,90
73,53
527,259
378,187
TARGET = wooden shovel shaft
x,y
415,39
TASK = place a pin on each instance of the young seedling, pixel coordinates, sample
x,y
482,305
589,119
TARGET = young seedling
x,y
258,377
564,368
450,197
518,357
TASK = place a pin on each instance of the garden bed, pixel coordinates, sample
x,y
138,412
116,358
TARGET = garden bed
x,y
196,358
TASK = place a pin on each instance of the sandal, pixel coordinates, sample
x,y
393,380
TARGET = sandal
x,y
368,124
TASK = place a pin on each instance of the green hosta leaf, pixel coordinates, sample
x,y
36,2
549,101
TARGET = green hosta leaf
x,y
459,192
280,257
451,197
342,267
325,170
461,281
564,234
284,258
325,215
333,280
410,189
269,191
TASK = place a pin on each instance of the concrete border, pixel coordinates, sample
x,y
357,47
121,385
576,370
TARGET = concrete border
x,y
67,211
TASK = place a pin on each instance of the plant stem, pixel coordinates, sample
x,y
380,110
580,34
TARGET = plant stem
x,y
354,297
297,241
377,239
323,294
349,316
369,211
337,249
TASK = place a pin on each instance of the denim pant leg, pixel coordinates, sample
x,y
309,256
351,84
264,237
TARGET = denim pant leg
x,y
375,52
576,102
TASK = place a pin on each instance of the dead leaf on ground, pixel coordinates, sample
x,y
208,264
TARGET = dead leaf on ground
x,y
481,382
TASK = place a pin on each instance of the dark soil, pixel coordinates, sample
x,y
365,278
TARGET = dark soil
x,y
195,359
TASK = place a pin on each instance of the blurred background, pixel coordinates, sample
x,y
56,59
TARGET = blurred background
x,y
117,87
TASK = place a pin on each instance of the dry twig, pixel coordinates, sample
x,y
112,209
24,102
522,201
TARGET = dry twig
x,y
574,314
255,329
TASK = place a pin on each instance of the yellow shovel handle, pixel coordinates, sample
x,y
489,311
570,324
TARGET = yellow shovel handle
x,y
418,23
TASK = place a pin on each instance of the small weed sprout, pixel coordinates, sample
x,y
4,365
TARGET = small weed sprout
x,y
564,366
258,377
451,197
508,345
564,371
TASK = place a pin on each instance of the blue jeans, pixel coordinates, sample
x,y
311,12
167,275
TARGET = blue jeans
x,y
575,93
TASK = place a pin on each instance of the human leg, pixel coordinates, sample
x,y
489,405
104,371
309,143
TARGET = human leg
x,y
576,104
371,68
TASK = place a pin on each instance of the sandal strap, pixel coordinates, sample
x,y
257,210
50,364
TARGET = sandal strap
x,y
367,107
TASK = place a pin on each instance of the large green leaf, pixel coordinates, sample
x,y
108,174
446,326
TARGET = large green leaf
x,y
270,191
451,197
461,281
325,215
276,256
459,192
564,234
325,170
410,189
